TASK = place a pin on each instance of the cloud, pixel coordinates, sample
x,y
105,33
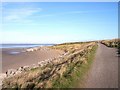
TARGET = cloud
x,y
71,12
19,14
63,13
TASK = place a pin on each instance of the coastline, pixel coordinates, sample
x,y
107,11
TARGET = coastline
x,y
50,70
26,57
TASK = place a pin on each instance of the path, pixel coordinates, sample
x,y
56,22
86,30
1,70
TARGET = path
x,y
104,70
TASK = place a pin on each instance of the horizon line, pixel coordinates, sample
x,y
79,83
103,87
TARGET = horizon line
x,y
63,42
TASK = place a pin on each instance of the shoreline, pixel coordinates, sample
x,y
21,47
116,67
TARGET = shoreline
x,y
53,69
26,57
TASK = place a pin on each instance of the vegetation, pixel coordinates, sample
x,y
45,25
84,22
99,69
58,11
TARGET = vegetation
x,y
62,72
115,43
75,72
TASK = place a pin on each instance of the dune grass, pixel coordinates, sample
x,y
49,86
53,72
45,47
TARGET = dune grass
x,y
67,73
75,76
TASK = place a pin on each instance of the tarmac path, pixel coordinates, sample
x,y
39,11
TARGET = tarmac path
x,y
104,70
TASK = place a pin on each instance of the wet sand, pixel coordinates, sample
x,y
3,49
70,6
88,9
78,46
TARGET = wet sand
x,y
14,61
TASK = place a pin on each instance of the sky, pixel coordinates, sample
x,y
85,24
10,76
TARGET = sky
x,y
58,22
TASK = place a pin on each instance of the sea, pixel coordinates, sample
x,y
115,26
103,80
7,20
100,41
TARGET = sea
x,y
23,45
15,47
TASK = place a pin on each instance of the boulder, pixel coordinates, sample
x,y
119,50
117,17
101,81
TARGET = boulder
x,y
35,66
30,50
40,64
17,72
2,76
10,72
20,69
26,68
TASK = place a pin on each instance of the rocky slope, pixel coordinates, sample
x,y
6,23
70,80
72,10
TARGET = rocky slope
x,y
45,75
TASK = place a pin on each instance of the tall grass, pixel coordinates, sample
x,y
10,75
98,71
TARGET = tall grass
x,y
76,73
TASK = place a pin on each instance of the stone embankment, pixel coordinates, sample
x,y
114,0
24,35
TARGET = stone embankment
x,y
36,48
2,76
12,72
45,72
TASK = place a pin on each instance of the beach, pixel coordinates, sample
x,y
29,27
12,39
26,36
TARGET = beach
x,y
25,58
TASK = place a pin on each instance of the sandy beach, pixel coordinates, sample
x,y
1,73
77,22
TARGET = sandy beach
x,y
14,61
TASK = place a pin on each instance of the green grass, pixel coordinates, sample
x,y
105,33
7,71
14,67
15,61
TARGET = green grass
x,y
76,73
73,72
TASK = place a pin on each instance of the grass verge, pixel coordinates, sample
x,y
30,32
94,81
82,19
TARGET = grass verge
x,y
76,77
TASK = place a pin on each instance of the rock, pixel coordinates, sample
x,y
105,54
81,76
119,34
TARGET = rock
x,y
46,60
10,72
40,85
65,54
30,50
40,64
29,85
62,70
2,76
17,72
33,49
20,69
35,66
26,68
55,62
53,70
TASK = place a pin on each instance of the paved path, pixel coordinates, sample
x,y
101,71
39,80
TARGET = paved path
x,y
104,70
